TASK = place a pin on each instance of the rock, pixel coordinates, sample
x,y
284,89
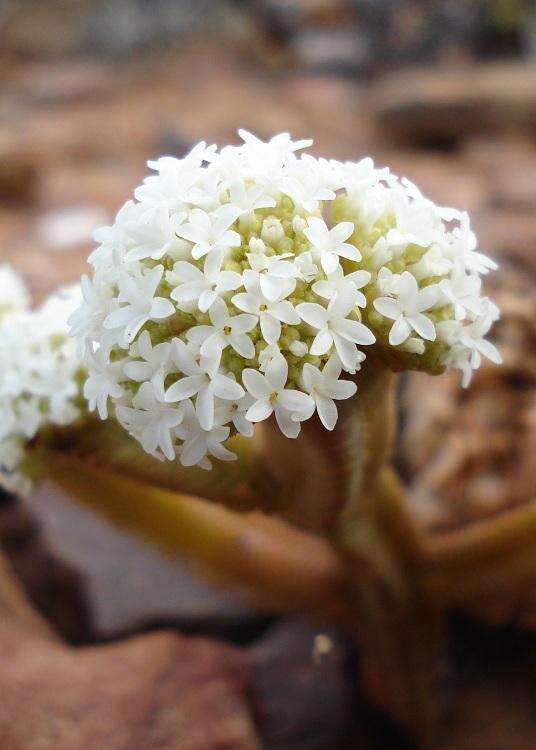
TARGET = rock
x,y
161,691
18,178
441,106
304,692
131,586
508,234
52,584
484,714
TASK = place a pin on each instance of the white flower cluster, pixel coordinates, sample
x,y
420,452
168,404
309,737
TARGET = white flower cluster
x,y
241,283
40,370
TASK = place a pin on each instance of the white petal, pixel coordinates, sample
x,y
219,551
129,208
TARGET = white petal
x,y
349,251
490,351
161,308
206,299
246,301
388,307
313,314
204,407
285,312
226,388
243,323
329,262
296,402
270,328
354,331
322,342
423,325
242,345
289,427
327,411
219,314
260,410
256,383
271,286
277,372
399,332
340,389
347,351
184,388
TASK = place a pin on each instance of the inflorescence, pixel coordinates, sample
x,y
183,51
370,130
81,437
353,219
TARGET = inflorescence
x,y
243,282
40,369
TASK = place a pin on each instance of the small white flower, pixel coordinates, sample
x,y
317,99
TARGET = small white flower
x,y
433,263
226,330
407,311
271,313
337,282
248,199
267,354
307,269
307,183
275,273
199,442
151,421
324,386
114,240
272,230
334,328
102,382
87,319
290,406
210,231
154,234
193,286
329,244
235,412
153,365
141,304
201,381
472,337
463,292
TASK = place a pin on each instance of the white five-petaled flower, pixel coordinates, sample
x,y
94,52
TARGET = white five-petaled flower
x,y
151,421
463,292
472,337
193,286
153,365
103,381
329,244
337,281
154,234
210,231
271,313
335,328
324,386
235,412
141,304
408,310
276,273
202,381
199,442
226,330
248,199
290,406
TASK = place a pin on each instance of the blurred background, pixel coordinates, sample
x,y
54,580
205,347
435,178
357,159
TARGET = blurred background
x,y
442,91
